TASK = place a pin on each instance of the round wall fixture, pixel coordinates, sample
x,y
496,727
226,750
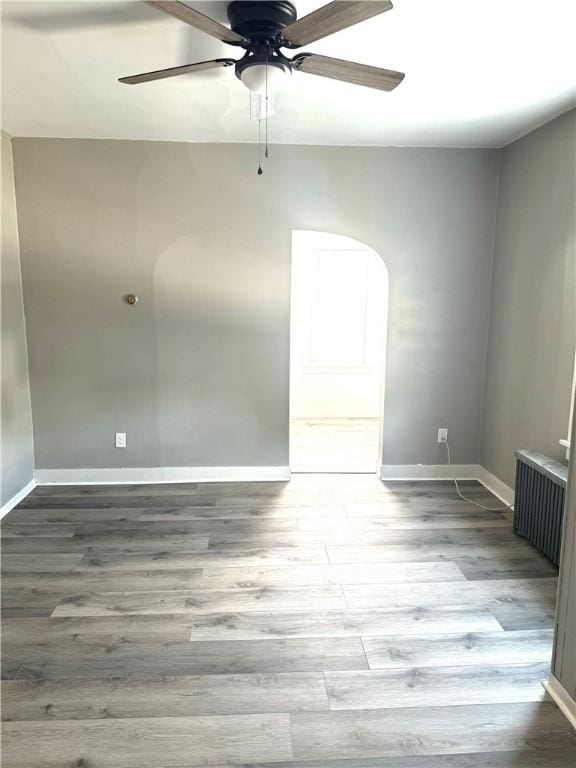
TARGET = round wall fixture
x,y
130,298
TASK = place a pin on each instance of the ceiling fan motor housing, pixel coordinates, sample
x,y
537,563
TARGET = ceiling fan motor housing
x,y
261,22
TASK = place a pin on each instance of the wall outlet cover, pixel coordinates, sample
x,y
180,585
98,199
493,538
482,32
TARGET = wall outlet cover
x,y
443,435
120,439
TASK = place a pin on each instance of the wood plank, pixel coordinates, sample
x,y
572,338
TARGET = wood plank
x,y
433,505
33,517
398,521
28,602
389,732
287,499
372,573
143,528
147,742
439,537
391,553
255,511
171,501
72,582
414,489
539,594
201,601
468,648
321,623
105,631
112,543
266,489
180,560
13,530
69,501
436,686
529,567
534,757
507,592
46,562
121,657
530,615
166,697
244,528
23,612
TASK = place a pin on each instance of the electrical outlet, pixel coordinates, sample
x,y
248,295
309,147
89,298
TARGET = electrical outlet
x,y
443,435
120,439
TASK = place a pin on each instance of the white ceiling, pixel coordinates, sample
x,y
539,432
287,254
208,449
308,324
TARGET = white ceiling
x,y
477,74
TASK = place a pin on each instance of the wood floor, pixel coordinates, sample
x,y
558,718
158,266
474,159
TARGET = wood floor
x,y
334,445
330,622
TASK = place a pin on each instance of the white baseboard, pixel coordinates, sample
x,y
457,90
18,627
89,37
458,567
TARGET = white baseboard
x,y
562,698
496,486
430,471
123,475
17,498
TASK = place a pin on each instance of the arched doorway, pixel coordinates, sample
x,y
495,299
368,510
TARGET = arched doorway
x,y
339,312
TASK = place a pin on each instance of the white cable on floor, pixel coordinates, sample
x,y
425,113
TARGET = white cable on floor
x,y
471,501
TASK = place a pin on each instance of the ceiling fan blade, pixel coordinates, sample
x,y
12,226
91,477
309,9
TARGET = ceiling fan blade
x,y
348,71
198,20
160,74
331,18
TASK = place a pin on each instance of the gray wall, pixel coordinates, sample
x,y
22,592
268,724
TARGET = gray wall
x,y
17,451
564,662
197,371
532,320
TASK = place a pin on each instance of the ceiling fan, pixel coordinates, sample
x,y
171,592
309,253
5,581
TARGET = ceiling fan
x,y
263,27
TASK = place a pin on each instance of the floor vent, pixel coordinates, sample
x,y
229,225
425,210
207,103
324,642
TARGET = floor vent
x,y
539,501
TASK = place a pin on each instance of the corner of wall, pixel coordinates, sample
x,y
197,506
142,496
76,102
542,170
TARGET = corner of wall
x,y
482,425
17,478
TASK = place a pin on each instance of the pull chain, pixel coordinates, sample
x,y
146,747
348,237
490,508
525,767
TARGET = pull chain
x,y
259,147
266,107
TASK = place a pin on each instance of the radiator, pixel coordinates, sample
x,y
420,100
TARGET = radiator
x,y
539,501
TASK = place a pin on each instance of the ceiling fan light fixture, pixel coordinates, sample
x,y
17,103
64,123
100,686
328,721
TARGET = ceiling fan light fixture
x,y
257,76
